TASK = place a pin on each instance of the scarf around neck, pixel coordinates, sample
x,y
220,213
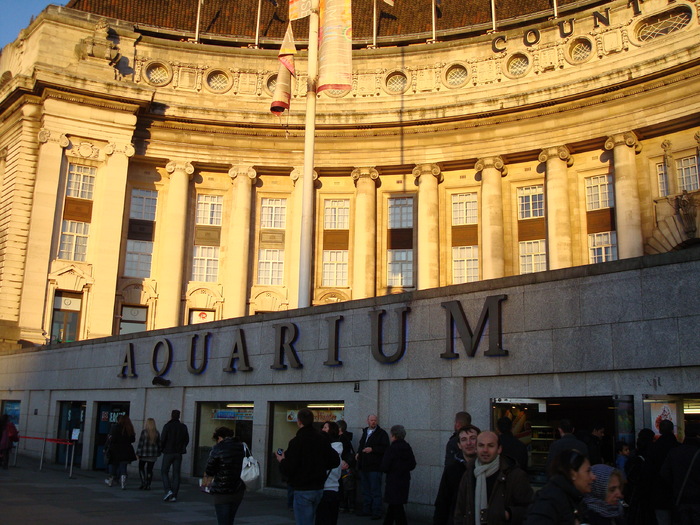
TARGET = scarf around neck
x,y
481,472
595,501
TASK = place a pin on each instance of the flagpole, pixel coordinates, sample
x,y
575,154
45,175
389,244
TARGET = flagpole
x,y
556,14
307,203
493,14
374,26
434,36
199,12
257,25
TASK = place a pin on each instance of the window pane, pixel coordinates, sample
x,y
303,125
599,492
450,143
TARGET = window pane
x,y
335,268
138,258
205,264
74,237
336,214
599,192
270,267
273,213
143,205
662,178
602,247
687,169
533,256
465,264
81,181
464,209
401,213
400,268
209,209
530,202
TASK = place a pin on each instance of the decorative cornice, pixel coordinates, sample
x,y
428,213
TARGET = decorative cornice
x,y
492,163
427,169
628,138
557,152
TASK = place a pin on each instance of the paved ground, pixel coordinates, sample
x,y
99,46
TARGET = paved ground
x,y
32,497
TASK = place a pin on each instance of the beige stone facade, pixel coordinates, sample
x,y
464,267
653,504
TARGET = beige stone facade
x,y
146,185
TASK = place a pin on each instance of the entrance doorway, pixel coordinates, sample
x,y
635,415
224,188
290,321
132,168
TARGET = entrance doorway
x,y
107,414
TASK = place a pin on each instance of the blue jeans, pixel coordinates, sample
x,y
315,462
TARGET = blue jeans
x,y
371,492
226,512
305,503
174,461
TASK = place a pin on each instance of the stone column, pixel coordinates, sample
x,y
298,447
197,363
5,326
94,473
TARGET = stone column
x,y
628,216
559,252
107,221
40,251
364,243
428,177
236,275
491,217
172,264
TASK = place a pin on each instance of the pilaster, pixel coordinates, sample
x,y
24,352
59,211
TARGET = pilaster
x,y
559,250
428,177
491,217
364,268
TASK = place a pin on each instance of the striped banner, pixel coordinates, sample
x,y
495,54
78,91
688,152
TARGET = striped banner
x,y
283,89
335,48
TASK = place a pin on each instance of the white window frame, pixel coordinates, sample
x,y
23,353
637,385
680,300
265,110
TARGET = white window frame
x,y
336,214
599,192
209,209
530,202
465,209
602,247
74,240
687,172
270,266
400,213
273,213
662,179
138,258
335,268
399,266
143,204
533,256
465,264
205,264
81,181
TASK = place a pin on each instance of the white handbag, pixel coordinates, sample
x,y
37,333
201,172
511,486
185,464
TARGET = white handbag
x,y
250,471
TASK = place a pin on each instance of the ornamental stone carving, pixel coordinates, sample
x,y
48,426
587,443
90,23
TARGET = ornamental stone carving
x,y
427,169
243,170
3,154
628,138
127,149
298,173
364,173
560,152
173,166
493,163
45,136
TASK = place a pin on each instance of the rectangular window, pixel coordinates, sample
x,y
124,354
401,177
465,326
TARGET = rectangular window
x,y
602,247
270,266
533,256
465,264
687,169
400,268
209,209
530,202
138,258
273,213
464,209
205,264
662,178
335,268
599,192
81,181
65,319
336,214
143,205
74,238
133,319
400,213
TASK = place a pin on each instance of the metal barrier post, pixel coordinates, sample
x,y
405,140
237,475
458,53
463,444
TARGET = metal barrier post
x,y
41,461
72,459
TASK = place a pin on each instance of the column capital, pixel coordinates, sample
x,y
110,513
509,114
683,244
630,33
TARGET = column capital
x,y
697,138
298,174
365,172
127,149
557,152
627,138
3,154
45,136
243,170
173,166
495,162
428,169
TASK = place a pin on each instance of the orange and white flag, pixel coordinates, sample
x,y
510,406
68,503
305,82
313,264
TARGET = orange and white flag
x,y
299,9
283,89
335,45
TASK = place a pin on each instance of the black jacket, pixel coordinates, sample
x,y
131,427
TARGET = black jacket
x,y
398,462
174,438
446,498
224,465
120,448
308,459
675,468
662,494
557,503
379,442
514,449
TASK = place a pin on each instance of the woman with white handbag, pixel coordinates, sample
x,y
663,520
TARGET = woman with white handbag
x,y
223,475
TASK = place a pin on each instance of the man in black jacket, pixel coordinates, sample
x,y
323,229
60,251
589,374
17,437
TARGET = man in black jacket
x,y
681,471
373,444
173,441
512,446
305,464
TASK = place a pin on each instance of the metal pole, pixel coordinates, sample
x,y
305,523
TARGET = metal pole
x,y
556,14
433,17
493,14
199,12
307,202
257,25
72,459
374,26
41,461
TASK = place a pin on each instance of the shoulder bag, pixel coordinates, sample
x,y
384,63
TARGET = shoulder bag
x,y
250,471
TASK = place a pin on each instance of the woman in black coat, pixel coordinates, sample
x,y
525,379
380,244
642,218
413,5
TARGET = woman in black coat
x,y
121,452
223,475
560,501
398,462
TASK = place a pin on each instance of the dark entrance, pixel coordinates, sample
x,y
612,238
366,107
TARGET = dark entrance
x,y
107,414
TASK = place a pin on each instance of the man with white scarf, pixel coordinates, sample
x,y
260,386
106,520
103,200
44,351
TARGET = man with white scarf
x,y
493,490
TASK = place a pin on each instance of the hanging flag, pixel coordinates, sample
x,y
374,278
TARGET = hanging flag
x,y
283,89
299,9
335,45
390,2
438,8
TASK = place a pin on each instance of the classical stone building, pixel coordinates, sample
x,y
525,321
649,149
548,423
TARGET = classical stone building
x,y
146,185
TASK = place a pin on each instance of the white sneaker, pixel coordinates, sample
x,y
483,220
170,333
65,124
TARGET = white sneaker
x,y
168,496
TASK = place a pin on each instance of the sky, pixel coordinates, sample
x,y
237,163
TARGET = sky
x,y
16,15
